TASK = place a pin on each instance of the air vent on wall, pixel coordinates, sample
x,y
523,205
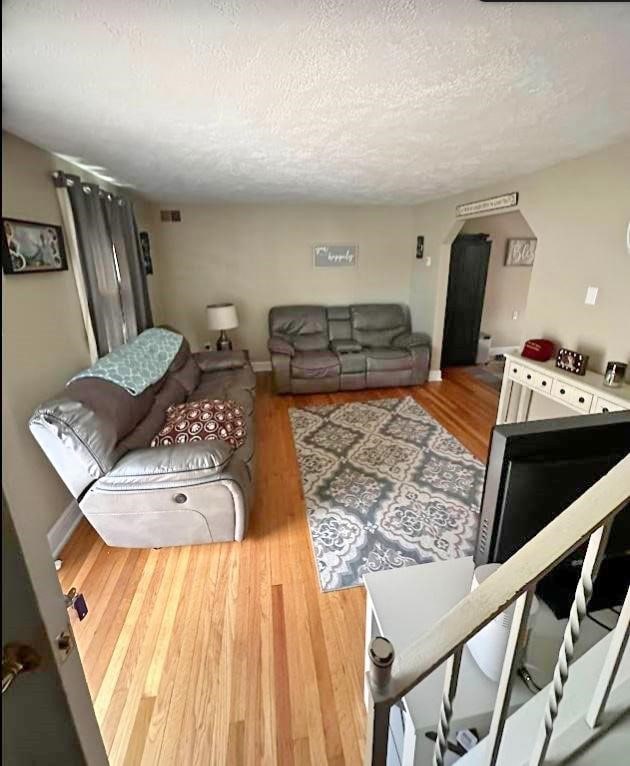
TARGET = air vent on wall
x,y
170,215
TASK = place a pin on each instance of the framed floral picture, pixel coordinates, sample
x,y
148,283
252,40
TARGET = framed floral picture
x,y
29,247
520,252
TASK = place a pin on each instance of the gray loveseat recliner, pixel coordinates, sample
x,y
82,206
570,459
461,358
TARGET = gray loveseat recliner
x,y
324,349
97,436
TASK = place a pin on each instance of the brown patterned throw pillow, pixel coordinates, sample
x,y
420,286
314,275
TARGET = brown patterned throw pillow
x,y
205,420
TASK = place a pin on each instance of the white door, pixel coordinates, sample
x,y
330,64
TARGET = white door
x,y
38,724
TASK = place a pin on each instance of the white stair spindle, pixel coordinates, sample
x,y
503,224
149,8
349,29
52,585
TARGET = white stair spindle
x,y
513,655
446,710
592,560
611,665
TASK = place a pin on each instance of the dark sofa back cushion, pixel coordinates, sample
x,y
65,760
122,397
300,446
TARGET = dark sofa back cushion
x,y
375,325
172,392
339,327
115,404
188,376
111,403
306,327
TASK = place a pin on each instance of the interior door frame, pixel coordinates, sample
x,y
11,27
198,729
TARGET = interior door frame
x,y
474,238
441,288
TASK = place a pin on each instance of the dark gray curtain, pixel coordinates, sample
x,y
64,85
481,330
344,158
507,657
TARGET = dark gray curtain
x,y
133,283
109,255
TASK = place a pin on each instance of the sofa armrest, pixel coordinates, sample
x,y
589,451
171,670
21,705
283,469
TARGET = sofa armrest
x,y
345,346
411,340
214,361
172,465
279,345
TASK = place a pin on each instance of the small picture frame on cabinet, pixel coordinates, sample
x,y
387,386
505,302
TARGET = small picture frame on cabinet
x,y
571,361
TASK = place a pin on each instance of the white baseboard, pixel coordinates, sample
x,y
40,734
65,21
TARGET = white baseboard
x,y
495,350
261,366
62,529
435,376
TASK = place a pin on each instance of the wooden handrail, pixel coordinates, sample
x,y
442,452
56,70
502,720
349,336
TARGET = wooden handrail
x,y
529,564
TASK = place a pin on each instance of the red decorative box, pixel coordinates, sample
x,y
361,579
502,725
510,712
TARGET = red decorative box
x,y
539,349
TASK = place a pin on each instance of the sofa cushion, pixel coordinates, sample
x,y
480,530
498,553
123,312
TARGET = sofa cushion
x,y
315,364
238,384
383,359
205,420
213,361
172,392
113,404
181,357
188,376
279,345
412,340
376,325
339,327
305,327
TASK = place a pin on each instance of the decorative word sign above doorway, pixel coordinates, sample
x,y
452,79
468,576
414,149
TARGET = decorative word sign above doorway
x,y
486,205
335,255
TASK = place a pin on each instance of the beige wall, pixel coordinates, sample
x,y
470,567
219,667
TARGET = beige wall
x,y
506,287
579,210
44,340
260,255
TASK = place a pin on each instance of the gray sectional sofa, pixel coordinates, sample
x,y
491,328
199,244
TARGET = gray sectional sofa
x,y
97,437
342,348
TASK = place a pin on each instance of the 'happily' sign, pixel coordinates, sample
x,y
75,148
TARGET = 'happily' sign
x,y
334,255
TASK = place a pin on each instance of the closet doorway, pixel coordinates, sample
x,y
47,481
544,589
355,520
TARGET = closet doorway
x,y
470,255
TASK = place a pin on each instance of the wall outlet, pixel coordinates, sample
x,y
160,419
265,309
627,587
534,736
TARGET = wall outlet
x,y
515,315
591,296
427,260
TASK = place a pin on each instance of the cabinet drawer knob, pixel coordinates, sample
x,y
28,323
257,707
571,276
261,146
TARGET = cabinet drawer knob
x,y
544,382
581,400
562,391
605,409
529,377
514,369
180,498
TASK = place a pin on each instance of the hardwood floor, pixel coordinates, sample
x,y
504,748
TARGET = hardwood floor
x,y
229,653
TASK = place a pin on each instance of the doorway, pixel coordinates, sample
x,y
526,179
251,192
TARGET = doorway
x,y
470,256
500,287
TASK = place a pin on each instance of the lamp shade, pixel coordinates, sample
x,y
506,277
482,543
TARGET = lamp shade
x,y
222,316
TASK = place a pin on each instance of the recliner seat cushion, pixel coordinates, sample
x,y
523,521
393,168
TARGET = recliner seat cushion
x,y
315,364
385,359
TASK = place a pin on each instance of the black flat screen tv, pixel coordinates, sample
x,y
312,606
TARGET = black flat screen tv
x,y
536,470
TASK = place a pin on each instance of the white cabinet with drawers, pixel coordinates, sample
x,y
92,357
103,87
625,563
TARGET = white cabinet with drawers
x,y
585,394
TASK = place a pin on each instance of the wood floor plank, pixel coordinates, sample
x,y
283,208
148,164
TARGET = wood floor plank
x,y
230,653
137,741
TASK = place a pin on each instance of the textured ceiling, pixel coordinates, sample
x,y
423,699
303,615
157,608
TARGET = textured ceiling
x,y
324,100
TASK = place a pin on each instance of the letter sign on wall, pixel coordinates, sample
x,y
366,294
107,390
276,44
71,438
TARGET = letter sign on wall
x,y
335,255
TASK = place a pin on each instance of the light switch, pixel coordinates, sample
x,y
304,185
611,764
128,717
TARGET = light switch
x,y
428,261
515,315
591,296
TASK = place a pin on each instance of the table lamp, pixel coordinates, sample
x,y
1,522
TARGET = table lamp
x,y
222,316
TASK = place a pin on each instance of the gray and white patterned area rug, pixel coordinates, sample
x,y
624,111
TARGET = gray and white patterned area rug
x,y
385,486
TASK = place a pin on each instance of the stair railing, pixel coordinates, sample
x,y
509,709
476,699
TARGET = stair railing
x,y
588,518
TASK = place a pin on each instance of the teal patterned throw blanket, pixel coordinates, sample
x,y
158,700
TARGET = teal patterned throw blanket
x,y
139,363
